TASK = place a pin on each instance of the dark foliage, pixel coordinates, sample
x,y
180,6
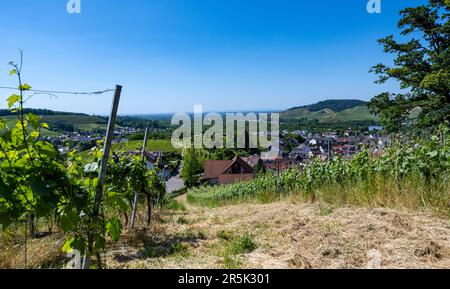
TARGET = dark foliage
x,y
335,105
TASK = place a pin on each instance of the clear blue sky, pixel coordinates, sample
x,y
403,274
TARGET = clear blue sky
x,y
172,54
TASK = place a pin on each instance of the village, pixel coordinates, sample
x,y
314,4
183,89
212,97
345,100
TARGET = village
x,y
296,149
294,154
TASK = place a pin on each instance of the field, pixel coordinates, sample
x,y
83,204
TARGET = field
x,y
81,122
12,120
359,113
152,145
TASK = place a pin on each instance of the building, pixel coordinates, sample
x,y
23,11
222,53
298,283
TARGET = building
x,y
253,160
227,172
301,152
152,159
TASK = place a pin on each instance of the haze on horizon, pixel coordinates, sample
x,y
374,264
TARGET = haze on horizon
x,y
171,55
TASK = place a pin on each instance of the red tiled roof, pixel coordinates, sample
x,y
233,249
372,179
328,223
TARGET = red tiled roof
x,y
241,162
215,168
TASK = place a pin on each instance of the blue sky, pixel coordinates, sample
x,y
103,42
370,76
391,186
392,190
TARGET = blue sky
x,y
169,55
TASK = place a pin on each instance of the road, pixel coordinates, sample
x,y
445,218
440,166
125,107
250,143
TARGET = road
x,y
174,184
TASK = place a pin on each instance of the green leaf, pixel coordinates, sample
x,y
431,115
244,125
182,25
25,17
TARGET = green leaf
x,y
34,134
113,228
39,187
67,248
33,120
12,72
13,99
69,220
116,200
25,87
4,187
100,243
46,149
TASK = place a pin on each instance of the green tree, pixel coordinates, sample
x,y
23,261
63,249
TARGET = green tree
x,y
192,166
421,66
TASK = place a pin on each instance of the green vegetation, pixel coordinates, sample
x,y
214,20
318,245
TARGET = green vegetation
x,y
421,66
241,245
164,146
11,121
153,145
78,122
234,246
171,204
327,115
336,105
37,183
320,127
414,174
192,167
142,123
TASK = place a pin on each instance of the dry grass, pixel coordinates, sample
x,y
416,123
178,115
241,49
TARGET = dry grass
x,y
286,234
297,235
42,253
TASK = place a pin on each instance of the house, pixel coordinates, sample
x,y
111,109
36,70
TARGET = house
x,y
227,172
253,160
280,164
152,159
300,153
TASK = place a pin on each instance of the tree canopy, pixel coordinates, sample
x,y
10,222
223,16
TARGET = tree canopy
x,y
421,66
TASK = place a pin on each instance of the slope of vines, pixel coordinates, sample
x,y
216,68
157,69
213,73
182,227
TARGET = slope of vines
x,y
415,174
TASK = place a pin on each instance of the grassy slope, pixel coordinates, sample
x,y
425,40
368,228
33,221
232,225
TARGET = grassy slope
x,y
153,145
79,121
12,120
327,115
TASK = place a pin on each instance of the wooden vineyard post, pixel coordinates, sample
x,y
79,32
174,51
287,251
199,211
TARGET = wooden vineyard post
x,y
103,167
136,194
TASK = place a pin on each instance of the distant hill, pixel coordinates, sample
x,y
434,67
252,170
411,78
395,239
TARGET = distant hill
x,y
60,121
331,111
335,105
40,111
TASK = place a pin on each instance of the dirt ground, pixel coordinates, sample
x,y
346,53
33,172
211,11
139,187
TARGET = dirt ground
x,y
288,235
